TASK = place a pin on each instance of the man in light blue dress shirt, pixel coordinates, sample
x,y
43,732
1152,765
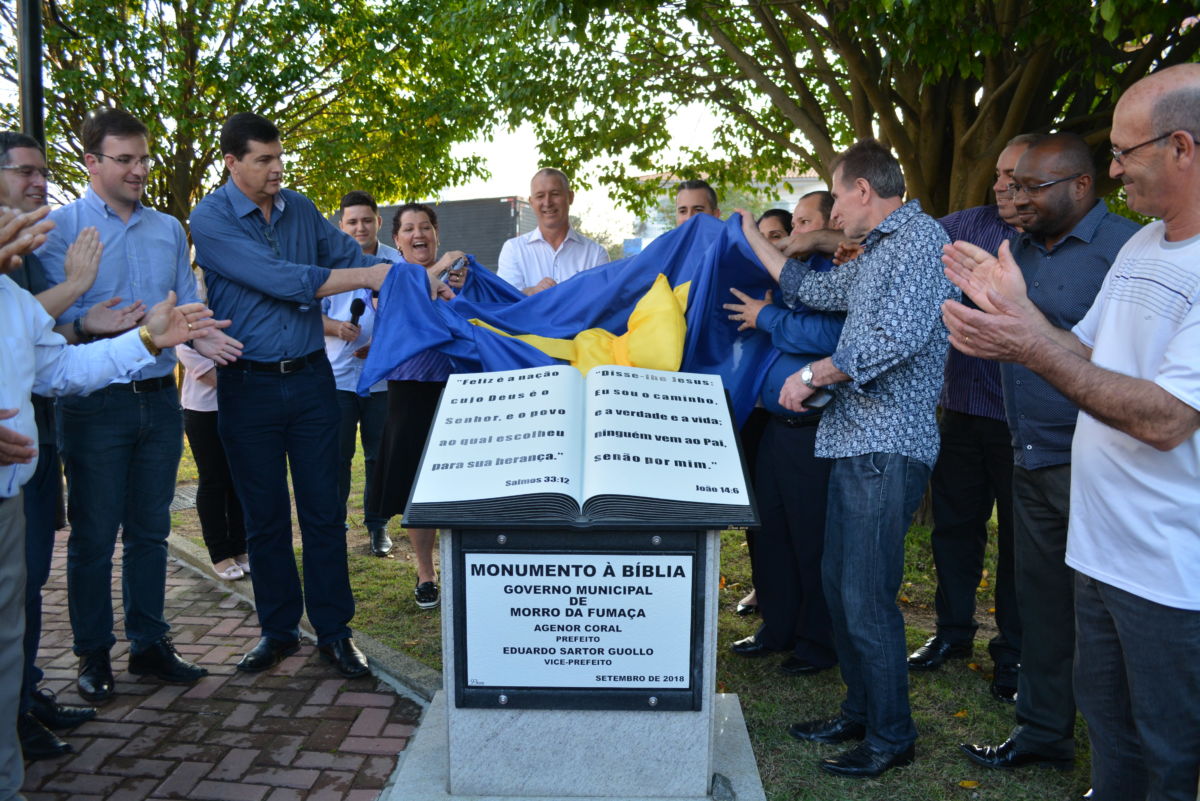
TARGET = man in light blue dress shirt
x,y
346,345
121,444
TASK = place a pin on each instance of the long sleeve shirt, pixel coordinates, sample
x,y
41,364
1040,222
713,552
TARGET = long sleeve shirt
x,y
1062,283
972,385
143,259
265,276
35,359
893,345
526,259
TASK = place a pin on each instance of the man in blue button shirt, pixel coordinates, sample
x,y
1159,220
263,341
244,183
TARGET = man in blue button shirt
x,y
121,445
269,257
347,340
1069,242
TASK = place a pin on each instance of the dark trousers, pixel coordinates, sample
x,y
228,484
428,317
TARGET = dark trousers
x,y
268,423
872,499
41,502
12,612
367,417
1046,598
121,450
1137,679
974,473
216,499
792,486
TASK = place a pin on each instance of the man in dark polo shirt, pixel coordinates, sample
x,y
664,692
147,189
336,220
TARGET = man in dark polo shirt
x,y
1069,242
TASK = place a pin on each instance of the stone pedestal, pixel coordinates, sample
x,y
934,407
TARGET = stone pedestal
x,y
474,753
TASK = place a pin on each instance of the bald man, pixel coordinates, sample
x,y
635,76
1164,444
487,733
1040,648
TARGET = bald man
x,y
1132,365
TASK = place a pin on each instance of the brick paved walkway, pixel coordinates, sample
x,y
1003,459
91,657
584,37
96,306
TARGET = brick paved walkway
x,y
296,732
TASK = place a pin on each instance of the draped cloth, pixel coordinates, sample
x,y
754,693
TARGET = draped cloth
x,y
635,303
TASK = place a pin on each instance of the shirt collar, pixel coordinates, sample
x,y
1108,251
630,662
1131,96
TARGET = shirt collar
x,y
243,206
896,220
536,235
97,204
1084,230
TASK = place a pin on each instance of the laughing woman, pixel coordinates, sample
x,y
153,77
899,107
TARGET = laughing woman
x,y
413,391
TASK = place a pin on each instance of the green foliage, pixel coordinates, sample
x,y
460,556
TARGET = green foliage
x,y
363,97
945,83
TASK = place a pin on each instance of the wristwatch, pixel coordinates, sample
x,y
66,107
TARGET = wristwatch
x,y
806,375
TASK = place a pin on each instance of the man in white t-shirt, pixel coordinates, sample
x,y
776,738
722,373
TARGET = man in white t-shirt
x,y
554,251
1132,364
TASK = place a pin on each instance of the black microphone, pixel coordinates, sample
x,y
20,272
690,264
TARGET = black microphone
x,y
357,307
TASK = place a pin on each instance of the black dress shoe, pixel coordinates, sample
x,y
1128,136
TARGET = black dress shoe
x,y
95,676
1007,755
834,730
936,651
794,666
1004,683
865,761
267,654
750,646
38,742
164,663
345,657
381,543
53,715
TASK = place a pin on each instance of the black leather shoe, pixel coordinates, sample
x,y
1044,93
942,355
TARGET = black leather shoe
x,y
936,651
1004,683
750,646
95,676
834,730
53,715
1007,755
164,663
381,543
38,742
344,655
793,666
267,654
865,761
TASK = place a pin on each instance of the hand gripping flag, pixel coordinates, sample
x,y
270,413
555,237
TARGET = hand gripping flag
x,y
660,309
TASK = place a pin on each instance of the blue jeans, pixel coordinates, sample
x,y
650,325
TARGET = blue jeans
x,y
1137,681
371,414
268,423
121,452
41,498
872,499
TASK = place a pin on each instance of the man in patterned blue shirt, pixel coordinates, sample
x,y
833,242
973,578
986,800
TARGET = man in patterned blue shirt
x,y
882,432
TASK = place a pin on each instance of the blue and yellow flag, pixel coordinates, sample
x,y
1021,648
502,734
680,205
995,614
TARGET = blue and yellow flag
x,y
659,309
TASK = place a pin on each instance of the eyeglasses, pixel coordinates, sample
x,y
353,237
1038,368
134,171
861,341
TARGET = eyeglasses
x,y
27,170
1119,154
1036,189
128,161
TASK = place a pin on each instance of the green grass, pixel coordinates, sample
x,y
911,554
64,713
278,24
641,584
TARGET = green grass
x,y
950,706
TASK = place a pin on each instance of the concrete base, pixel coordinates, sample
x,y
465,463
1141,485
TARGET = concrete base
x,y
423,774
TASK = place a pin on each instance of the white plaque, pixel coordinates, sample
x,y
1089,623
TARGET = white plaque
x,y
578,620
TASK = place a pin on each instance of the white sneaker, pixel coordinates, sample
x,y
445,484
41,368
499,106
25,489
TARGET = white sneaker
x,y
231,573
243,561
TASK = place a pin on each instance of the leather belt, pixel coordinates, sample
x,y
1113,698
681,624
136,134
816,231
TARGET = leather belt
x,y
285,367
142,387
803,421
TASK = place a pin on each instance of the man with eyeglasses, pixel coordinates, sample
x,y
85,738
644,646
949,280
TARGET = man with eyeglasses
x,y
1133,367
23,177
1070,240
122,444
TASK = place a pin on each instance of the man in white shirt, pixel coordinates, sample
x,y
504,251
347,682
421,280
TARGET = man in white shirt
x,y
554,251
35,358
1132,365
347,340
